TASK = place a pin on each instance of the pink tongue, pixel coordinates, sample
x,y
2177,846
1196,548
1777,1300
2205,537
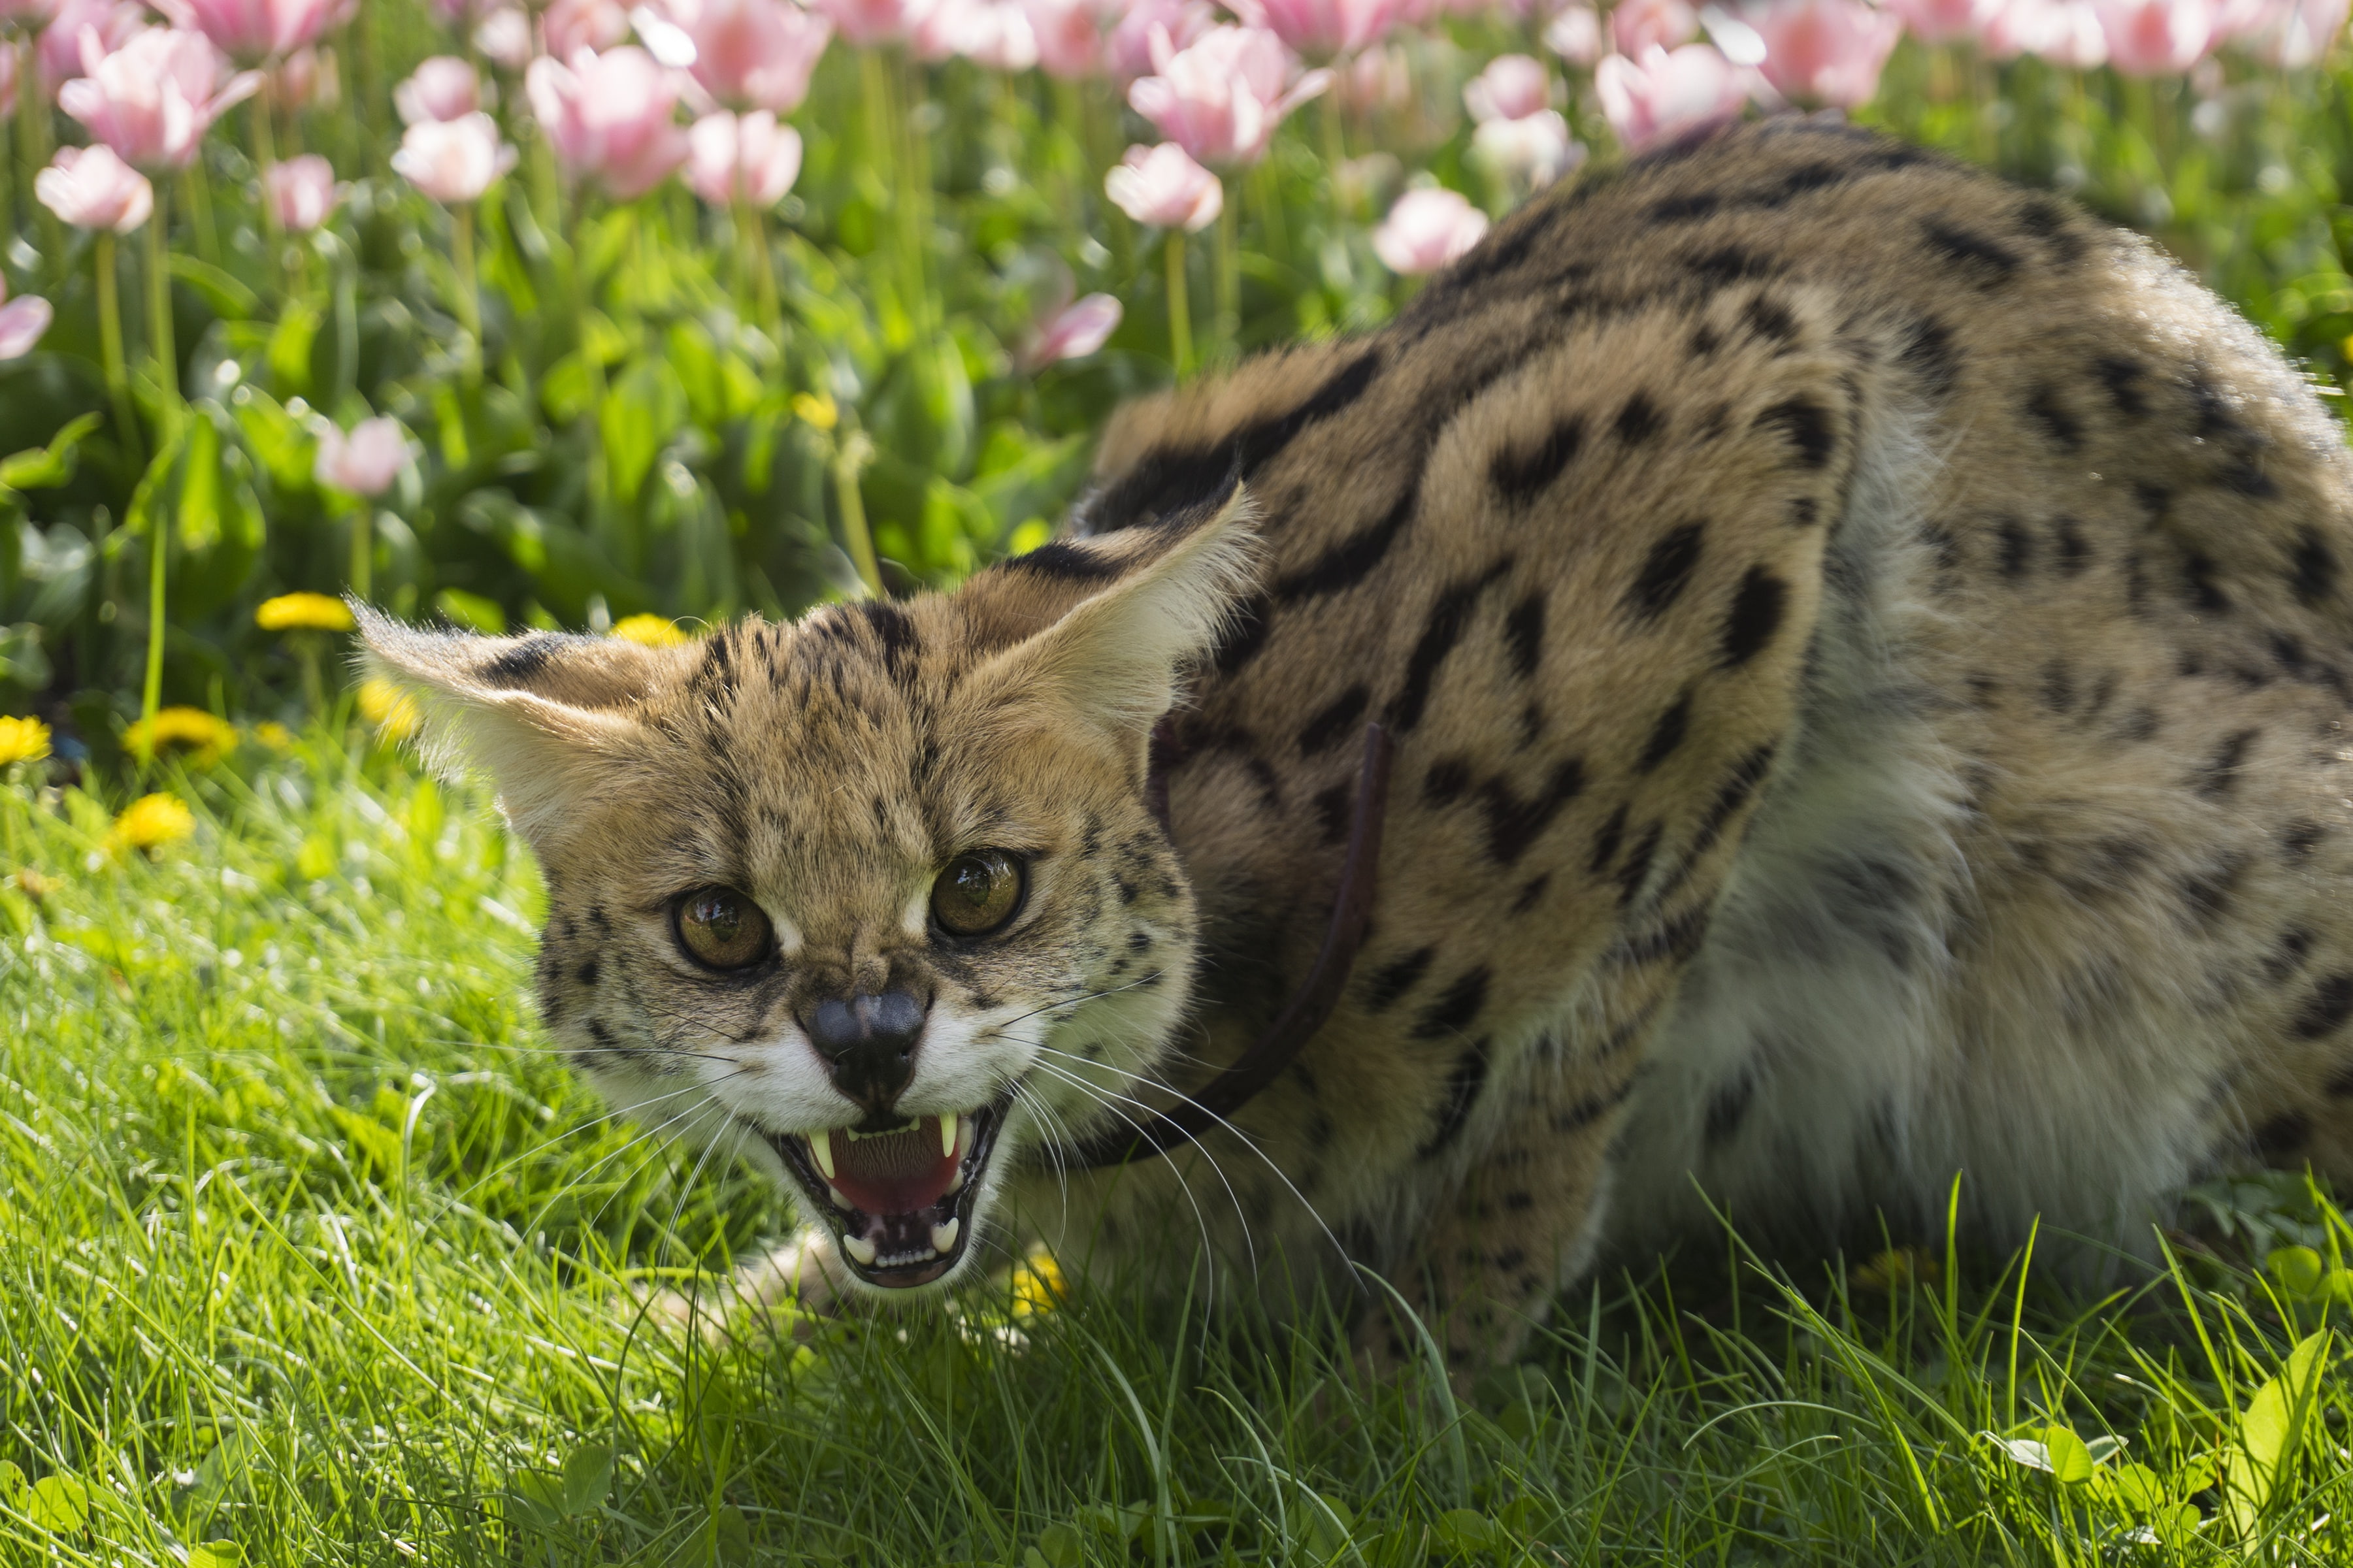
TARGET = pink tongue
x,y
898,1173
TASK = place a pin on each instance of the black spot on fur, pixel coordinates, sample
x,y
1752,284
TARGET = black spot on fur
x,y
2283,1134
1928,353
2287,955
1068,562
1807,423
1449,615
1456,1008
2016,548
2207,893
2074,552
2314,573
2325,1009
895,629
1988,261
2298,840
522,662
2042,407
1463,1081
1524,634
1638,421
1728,264
1666,734
1336,721
1448,781
2058,688
2122,376
1606,841
1592,1108
1392,979
1727,1108
1770,319
1514,824
1685,208
1352,559
1519,474
1531,892
1675,941
2198,579
1630,876
1331,810
2219,775
1666,571
587,973
1245,635
1757,607
2047,221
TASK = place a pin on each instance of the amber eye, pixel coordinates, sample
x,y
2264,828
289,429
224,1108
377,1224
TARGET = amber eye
x,y
722,929
978,893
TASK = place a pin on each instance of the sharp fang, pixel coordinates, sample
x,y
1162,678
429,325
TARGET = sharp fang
x,y
821,1145
948,1134
860,1250
944,1237
840,1199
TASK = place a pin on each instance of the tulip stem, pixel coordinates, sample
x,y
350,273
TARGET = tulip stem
x,y
362,547
33,140
150,692
752,235
1181,323
160,336
469,303
850,455
198,189
1229,280
109,347
265,158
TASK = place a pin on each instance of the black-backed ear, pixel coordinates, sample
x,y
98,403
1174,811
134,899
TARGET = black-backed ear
x,y
544,717
1159,599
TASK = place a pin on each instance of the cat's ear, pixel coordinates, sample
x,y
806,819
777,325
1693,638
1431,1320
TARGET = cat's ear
x,y
1128,613
546,717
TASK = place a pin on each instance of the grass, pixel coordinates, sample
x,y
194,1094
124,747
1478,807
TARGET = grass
x,y
311,1252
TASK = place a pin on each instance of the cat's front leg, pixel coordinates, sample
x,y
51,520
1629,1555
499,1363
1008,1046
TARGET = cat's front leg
x,y
793,1286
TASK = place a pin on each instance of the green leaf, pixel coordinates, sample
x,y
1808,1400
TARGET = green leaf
x,y
12,1482
587,1477
198,515
2175,1526
2071,1460
644,406
289,356
228,299
1060,1546
276,438
59,1503
2270,1432
471,610
1467,1533
730,1535
44,468
215,1554
565,389
2133,1488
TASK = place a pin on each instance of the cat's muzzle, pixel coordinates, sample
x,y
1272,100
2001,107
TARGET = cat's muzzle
x,y
898,1200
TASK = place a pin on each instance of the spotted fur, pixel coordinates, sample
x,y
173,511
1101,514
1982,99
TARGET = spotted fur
x,y
1867,650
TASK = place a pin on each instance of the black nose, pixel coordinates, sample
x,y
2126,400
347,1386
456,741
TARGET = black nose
x,y
868,1043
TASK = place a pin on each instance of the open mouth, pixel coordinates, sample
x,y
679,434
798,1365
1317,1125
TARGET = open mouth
x,y
898,1199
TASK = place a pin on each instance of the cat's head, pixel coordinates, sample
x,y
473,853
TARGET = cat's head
x,y
879,897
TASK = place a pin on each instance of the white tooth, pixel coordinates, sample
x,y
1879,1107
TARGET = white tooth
x,y
944,1237
840,1199
821,1145
860,1250
955,1183
948,1135
967,1129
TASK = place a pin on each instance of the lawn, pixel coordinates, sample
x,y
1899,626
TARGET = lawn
x,y
313,1253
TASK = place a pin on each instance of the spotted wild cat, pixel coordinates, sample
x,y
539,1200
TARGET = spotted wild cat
x,y
1865,650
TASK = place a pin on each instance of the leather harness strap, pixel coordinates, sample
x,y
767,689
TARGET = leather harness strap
x,y
1310,1006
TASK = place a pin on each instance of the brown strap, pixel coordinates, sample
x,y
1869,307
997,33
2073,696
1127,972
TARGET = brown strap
x,y
1310,1006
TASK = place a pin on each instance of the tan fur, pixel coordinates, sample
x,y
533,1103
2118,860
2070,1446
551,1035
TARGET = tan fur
x,y
1868,653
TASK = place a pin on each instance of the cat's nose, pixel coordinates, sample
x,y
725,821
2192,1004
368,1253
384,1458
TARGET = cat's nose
x,y
868,1042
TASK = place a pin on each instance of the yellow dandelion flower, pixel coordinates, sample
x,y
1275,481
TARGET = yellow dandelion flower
x,y
274,735
22,741
1900,1265
817,408
153,821
1037,1285
654,631
303,613
392,711
204,737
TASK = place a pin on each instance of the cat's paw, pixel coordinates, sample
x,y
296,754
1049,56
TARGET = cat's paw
x,y
793,1289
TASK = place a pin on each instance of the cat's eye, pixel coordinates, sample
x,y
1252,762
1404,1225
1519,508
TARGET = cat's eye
x,y
978,893
722,929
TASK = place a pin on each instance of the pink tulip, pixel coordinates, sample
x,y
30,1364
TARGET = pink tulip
x,y
1825,51
504,38
453,160
1513,87
1536,149
1069,36
306,80
1073,331
1426,230
1637,24
864,22
611,117
152,99
442,88
1942,21
753,54
2156,37
8,77
89,187
2064,32
991,33
749,158
1378,80
1164,188
26,15
2288,35
303,192
366,461
1322,26
21,322
1663,95
251,31
572,25
114,21
1574,35
1127,51
1221,98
